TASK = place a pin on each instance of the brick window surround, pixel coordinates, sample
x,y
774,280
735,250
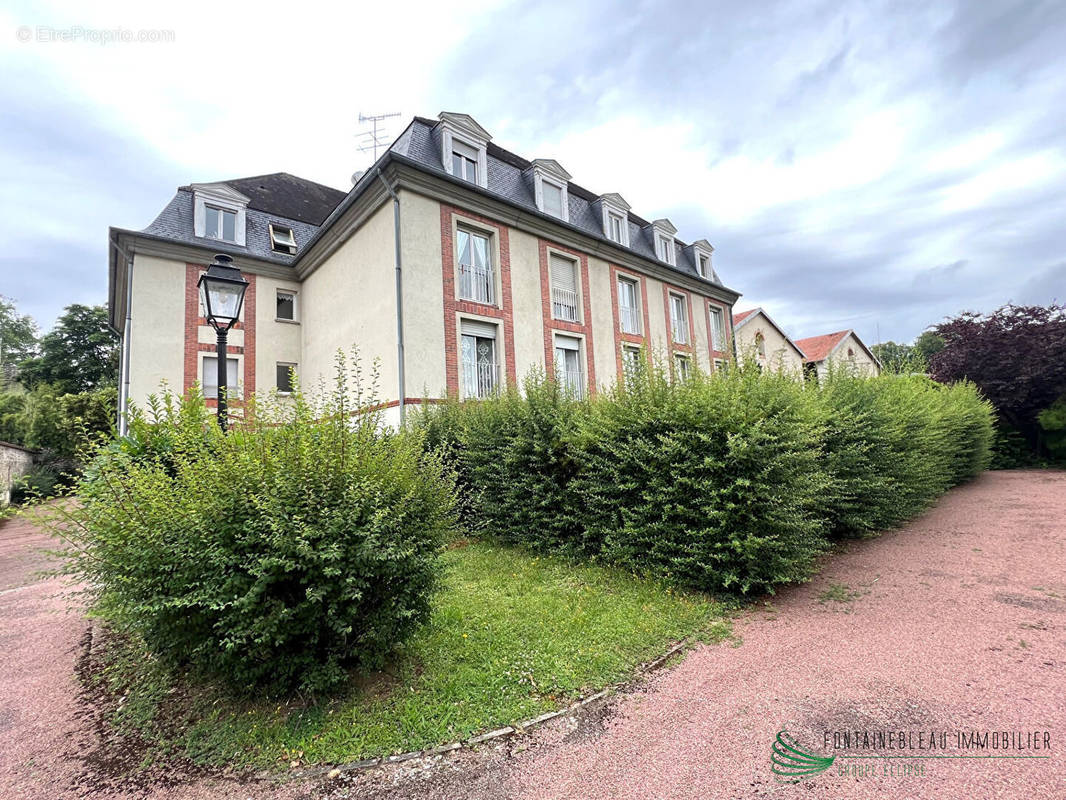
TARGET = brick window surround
x,y
194,348
675,347
454,307
727,328
620,338
553,326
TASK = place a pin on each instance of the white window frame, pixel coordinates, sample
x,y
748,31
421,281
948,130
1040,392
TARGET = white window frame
x,y
675,329
682,366
580,386
490,253
665,248
630,356
636,310
564,201
578,305
234,389
479,328
224,198
280,244
451,135
471,157
221,211
295,305
718,334
288,365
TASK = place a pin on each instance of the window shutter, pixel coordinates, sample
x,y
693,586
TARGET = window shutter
x,y
563,274
473,327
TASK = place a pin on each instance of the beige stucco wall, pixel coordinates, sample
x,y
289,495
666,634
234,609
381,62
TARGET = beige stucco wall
x,y
423,297
275,341
859,358
351,300
157,335
526,300
780,355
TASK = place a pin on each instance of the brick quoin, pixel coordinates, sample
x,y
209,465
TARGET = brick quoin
x,y
620,338
453,305
194,347
553,326
675,347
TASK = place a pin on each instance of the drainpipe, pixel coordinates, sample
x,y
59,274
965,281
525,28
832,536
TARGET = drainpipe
x,y
401,394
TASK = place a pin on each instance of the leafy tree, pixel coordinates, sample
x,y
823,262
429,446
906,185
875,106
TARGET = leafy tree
x,y
1016,355
18,338
11,408
62,424
79,354
894,357
927,345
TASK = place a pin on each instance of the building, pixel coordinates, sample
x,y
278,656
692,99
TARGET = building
x,y
840,349
763,341
458,264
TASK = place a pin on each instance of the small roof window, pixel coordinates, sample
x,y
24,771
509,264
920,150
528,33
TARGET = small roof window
x,y
282,239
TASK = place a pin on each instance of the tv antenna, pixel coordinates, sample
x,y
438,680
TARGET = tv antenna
x,y
374,138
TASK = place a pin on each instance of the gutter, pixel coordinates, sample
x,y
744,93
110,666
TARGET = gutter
x,y
401,389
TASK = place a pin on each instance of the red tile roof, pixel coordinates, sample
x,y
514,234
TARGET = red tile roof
x,y
743,315
817,348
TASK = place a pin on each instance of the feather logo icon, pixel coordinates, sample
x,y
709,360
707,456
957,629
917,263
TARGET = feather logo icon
x,y
791,764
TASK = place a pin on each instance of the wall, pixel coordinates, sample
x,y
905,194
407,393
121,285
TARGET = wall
x,y
15,462
780,354
158,326
276,340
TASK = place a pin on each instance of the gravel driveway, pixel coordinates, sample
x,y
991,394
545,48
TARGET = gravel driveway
x,y
955,623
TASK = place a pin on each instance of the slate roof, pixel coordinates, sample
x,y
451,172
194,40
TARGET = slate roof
x,y
175,222
419,143
818,348
288,196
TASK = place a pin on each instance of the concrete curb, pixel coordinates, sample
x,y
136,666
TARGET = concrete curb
x,y
493,735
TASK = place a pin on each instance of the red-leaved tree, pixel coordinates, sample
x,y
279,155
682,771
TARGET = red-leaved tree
x,y
1016,355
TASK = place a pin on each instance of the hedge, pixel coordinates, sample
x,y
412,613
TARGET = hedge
x,y
731,483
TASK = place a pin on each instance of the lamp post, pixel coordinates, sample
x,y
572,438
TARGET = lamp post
x,y
222,293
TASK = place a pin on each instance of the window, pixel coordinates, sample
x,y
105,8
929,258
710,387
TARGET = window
x,y
719,364
285,372
220,223
631,361
286,307
464,161
282,239
477,280
665,249
568,372
760,345
717,329
682,367
615,226
678,319
704,264
210,376
477,344
564,288
628,312
552,197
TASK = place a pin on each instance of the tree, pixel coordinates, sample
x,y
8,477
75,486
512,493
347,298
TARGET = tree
x,y
1016,355
18,338
927,345
893,357
79,354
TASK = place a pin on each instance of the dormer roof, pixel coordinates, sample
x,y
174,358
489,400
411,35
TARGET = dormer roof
x,y
552,167
616,200
465,124
665,225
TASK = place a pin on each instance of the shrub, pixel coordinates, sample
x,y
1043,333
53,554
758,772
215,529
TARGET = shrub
x,y
711,481
302,543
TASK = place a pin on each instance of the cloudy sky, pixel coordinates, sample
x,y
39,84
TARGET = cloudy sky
x,y
867,165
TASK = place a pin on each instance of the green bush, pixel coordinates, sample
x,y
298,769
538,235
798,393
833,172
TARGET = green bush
x,y
1053,424
732,482
301,544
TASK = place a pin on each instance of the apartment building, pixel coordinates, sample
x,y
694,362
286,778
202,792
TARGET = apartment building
x,y
458,265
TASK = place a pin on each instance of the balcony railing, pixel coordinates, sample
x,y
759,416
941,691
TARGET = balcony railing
x,y
572,381
629,319
477,283
480,380
564,304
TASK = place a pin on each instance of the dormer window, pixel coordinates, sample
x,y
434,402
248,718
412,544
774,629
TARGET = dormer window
x,y
219,212
663,238
464,148
549,188
701,255
220,223
464,161
282,239
615,213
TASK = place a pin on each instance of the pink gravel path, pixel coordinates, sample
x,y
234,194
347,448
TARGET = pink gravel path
x,y
934,641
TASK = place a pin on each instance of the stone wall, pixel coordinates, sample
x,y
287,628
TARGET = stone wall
x,y
15,462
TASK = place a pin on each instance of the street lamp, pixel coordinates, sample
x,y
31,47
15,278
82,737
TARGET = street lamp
x,y
222,292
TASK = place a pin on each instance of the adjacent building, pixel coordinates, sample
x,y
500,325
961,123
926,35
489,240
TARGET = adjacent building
x,y
457,264
763,341
842,348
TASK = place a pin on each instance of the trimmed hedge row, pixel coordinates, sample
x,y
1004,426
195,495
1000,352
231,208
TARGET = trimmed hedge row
x,y
729,483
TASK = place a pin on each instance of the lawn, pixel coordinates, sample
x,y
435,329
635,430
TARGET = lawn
x,y
512,635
